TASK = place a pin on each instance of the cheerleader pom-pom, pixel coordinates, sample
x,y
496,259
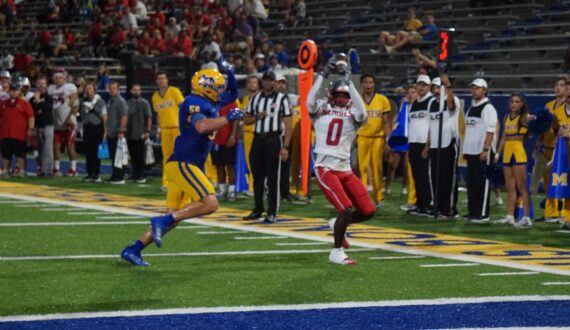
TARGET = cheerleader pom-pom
x,y
540,122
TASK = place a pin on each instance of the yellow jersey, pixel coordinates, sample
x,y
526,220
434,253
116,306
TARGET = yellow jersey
x,y
166,107
376,108
412,24
513,127
549,139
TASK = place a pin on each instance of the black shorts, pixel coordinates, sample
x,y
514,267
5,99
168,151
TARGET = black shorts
x,y
223,156
12,147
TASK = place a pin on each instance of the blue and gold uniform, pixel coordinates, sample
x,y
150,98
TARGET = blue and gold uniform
x,y
514,152
185,168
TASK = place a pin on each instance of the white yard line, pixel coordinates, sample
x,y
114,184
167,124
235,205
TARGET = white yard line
x,y
220,232
87,213
267,230
180,254
299,307
396,257
259,237
448,265
556,283
507,274
5,201
193,227
57,209
563,231
300,244
83,223
25,206
111,217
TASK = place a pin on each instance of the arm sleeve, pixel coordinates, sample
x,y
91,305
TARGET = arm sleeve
x,y
360,113
124,109
178,97
196,117
489,116
312,98
231,93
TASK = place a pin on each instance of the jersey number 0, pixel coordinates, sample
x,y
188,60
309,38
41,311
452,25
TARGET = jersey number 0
x,y
334,132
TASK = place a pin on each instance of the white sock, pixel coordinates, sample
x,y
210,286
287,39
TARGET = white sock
x,y
74,165
231,188
56,165
511,217
223,188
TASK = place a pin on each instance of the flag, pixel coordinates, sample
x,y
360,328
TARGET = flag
x,y
559,175
398,139
241,169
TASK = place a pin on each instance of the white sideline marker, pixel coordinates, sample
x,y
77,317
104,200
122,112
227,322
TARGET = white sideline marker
x,y
180,254
396,257
23,205
556,283
259,237
507,273
448,265
299,307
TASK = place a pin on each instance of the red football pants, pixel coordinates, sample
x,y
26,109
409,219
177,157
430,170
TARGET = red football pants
x,y
344,190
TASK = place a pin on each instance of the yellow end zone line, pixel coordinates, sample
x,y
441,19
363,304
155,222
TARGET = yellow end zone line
x,y
518,256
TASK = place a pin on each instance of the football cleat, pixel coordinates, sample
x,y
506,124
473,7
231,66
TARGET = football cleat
x,y
525,222
270,219
337,256
72,173
508,220
159,226
252,216
133,258
345,242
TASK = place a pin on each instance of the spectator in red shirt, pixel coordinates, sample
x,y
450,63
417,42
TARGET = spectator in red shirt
x,y
224,155
170,41
118,37
16,125
215,8
144,43
184,45
154,25
22,61
69,37
157,46
158,15
202,22
45,37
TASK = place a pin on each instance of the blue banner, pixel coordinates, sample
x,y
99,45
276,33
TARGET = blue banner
x,y
559,174
241,169
398,139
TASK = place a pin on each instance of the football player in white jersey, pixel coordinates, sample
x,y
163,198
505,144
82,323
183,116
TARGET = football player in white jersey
x,y
65,121
336,121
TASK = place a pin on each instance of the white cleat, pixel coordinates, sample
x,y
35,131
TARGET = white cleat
x,y
525,222
337,256
508,220
499,200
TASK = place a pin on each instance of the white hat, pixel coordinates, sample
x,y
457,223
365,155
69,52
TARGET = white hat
x,y
280,77
24,81
479,82
259,56
436,81
4,74
423,79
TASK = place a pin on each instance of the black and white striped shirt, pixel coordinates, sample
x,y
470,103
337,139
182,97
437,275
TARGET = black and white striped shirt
x,y
275,106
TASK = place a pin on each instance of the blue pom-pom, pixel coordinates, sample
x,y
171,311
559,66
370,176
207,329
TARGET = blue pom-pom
x,y
542,121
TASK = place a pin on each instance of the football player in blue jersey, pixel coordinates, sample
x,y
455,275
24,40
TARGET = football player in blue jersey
x,y
199,121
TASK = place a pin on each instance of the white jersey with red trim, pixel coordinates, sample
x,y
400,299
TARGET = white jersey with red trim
x,y
61,106
335,132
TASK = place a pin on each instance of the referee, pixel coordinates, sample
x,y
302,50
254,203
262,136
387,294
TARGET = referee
x,y
418,139
479,147
443,175
270,113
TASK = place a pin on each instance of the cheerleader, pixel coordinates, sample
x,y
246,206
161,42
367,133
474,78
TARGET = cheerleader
x,y
515,160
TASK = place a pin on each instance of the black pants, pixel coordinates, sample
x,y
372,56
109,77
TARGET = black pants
x,y
420,172
445,179
136,151
284,184
264,160
92,136
478,187
118,173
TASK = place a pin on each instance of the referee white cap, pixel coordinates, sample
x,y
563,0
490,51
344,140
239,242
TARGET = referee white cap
x,y
436,81
479,82
279,77
423,79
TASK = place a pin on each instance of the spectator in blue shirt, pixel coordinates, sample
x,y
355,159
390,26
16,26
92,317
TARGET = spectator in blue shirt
x,y
425,32
281,53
